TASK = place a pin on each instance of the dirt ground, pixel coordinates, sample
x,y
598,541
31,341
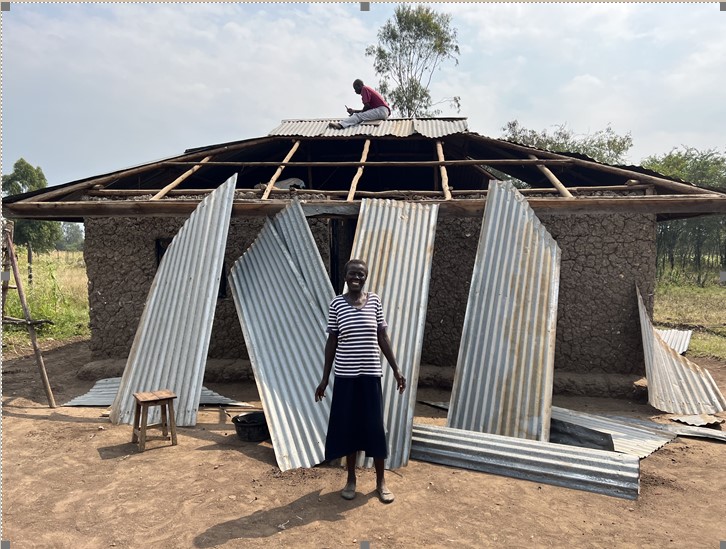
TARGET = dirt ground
x,y
72,479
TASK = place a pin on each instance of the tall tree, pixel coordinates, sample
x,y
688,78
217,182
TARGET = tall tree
x,y
41,235
411,46
697,240
72,239
603,145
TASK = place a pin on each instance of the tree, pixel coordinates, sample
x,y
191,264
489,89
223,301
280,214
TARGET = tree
x,y
605,146
411,46
40,235
699,242
72,239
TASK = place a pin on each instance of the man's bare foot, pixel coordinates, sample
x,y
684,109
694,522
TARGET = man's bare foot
x,y
335,126
349,491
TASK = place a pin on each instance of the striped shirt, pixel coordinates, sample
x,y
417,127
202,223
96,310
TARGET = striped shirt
x,y
357,329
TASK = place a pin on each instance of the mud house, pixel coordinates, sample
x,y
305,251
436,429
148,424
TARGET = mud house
x,y
603,218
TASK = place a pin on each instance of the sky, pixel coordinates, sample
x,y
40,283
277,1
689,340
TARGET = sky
x,y
93,88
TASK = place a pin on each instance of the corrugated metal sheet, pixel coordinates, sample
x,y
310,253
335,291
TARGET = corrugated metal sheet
x,y
396,239
433,128
675,384
503,380
104,391
628,438
698,419
677,429
607,473
172,340
678,340
283,322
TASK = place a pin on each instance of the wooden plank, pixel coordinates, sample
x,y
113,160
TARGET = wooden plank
x,y
359,173
444,175
553,179
271,183
659,204
387,163
162,193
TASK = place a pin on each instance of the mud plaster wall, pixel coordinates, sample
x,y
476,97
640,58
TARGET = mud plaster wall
x,y
120,255
598,330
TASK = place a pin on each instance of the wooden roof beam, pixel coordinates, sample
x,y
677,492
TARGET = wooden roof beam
x,y
278,172
359,172
552,179
444,175
162,193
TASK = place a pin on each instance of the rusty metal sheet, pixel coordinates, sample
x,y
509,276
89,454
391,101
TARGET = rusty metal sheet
x,y
396,239
504,371
172,340
608,473
675,384
281,291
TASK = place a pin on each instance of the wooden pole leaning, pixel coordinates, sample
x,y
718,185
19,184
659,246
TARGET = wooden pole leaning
x,y
359,172
444,175
553,179
278,172
178,180
26,311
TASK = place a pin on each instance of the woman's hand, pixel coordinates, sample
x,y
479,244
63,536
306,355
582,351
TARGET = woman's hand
x,y
400,382
320,391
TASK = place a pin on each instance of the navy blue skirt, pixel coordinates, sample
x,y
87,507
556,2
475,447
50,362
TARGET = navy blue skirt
x,y
356,419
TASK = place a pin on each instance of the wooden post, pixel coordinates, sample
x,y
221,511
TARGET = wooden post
x,y
178,180
553,179
444,175
359,173
271,183
30,264
7,226
28,320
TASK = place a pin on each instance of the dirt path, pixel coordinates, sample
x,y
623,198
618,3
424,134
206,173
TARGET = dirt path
x,y
72,479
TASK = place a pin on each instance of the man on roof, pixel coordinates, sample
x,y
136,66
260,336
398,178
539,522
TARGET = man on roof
x,y
374,107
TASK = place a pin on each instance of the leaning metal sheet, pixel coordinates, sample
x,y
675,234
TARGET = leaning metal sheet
x,y
284,323
172,340
503,380
675,384
397,241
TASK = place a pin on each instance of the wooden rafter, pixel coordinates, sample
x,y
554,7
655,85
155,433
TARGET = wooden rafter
x,y
271,183
359,172
444,175
386,163
552,179
162,193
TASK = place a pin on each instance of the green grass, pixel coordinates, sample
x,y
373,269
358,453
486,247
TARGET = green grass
x,y
59,293
690,307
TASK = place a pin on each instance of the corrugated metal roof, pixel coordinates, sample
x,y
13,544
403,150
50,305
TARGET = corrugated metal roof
x,y
428,127
503,380
104,391
678,340
396,239
172,340
675,384
607,473
628,438
283,314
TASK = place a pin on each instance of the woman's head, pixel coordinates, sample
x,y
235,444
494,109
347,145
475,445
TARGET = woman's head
x,y
356,273
358,263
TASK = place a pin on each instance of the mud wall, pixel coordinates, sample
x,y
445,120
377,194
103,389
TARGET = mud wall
x,y
121,260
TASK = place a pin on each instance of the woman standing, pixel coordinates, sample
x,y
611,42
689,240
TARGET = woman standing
x,y
356,332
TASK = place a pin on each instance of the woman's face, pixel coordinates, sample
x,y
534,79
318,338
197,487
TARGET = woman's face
x,y
355,276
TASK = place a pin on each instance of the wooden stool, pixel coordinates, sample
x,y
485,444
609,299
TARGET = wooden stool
x,y
163,398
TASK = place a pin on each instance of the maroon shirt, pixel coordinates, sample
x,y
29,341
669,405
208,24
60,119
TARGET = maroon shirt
x,y
373,98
